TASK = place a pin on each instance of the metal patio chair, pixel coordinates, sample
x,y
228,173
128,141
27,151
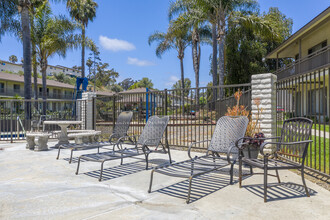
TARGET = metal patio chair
x,y
151,136
290,153
221,152
120,130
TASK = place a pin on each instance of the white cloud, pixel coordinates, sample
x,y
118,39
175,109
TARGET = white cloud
x,y
115,44
137,62
172,80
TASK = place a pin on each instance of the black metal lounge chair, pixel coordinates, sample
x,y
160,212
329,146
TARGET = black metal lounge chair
x,y
120,130
221,152
151,136
290,153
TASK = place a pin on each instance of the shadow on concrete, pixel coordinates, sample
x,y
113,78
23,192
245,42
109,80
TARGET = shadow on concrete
x,y
125,169
279,191
201,186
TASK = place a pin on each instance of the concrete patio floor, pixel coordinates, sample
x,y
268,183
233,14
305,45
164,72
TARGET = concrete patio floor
x,y
34,185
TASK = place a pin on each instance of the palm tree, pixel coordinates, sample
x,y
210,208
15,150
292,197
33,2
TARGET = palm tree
x,y
35,4
52,35
176,38
82,11
23,8
200,32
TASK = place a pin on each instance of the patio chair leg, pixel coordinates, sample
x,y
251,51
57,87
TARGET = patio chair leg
x,y
121,160
169,154
240,171
251,170
231,173
265,178
147,161
303,180
78,166
278,176
98,150
189,190
58,154
151,178
71,155
100,178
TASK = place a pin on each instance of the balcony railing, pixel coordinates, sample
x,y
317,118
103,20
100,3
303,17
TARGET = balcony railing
x,y
13,92
314,61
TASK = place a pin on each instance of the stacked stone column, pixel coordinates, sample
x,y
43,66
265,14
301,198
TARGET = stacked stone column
x,y
87,110
264,88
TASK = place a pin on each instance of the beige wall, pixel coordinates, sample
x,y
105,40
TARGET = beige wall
x,y
314,37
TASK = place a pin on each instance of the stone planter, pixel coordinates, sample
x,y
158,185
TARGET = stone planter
x,y
251,151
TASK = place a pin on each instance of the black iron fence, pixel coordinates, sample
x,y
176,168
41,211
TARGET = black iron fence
x,y
193,112
308,95
14,123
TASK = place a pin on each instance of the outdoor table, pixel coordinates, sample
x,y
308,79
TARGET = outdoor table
x,y
63,136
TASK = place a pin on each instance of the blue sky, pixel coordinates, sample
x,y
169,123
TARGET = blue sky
x,y
121,30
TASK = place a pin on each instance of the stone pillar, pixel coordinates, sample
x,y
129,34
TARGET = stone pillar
x,y
263,87
87,114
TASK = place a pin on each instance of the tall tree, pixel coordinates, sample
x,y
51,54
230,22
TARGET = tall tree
x,y
178,86
176,37
145,82
35,4
52,35
13,59
246,45
126,83
23,8
104,75
82,11
200,32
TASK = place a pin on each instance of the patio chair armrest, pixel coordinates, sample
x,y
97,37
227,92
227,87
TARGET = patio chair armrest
x,y
194,143
281,143
126,136
242,145
145,144
233,161
263,146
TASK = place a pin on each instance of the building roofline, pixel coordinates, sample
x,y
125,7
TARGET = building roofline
x,y
316,20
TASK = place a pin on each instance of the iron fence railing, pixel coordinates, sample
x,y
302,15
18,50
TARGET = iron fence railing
x,y
14,122
318,59
307,95
193,112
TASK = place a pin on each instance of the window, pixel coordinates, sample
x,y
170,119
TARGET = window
x,y
40,92
17,88
317,47
2,87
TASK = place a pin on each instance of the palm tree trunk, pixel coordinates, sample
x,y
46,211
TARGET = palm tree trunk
x,y
182,83
43,64
196,54
221,39
35,74
26,55
83,51
214,63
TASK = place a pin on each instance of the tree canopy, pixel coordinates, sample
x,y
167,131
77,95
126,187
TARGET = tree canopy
x,y
143,83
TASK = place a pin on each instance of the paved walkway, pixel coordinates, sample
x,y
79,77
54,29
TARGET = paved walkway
x,y
34,185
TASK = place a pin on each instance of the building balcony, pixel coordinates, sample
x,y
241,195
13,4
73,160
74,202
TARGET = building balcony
x,y
10,93
314,61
